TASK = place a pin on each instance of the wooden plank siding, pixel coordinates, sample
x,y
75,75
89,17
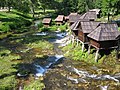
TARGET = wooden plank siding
x,y
103,44
81,35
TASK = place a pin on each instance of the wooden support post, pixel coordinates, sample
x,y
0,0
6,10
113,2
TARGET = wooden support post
x,y
89,49
96,56
72,40
117,53
77,42
83,46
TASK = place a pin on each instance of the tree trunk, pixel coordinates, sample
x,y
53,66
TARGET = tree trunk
x,y
108,17
9,8
44,10
33,11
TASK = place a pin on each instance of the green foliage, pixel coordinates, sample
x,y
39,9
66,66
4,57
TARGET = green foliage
x,y
63,27
7,71
53,28
12,21
4,27
8,83
40,25
43,29
119,28
76,53
110,7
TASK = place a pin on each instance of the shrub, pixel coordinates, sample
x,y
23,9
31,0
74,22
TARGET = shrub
x,y
4,27
53,23
43,29
40,25
53,28
63,27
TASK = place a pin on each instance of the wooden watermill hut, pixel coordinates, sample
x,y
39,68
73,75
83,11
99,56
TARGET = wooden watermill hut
x,y
59,20
47,22
85,28
104,37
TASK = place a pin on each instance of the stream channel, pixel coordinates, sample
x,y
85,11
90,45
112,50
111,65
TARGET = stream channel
x,y
62,73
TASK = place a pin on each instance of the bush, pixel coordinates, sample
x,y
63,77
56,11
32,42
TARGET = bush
x,y
43,29
63,27
53,23
53,28
40,25
4,27
27,23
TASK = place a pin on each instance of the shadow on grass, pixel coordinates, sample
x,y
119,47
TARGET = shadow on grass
x,y
23,15
2,15
16,19
6,75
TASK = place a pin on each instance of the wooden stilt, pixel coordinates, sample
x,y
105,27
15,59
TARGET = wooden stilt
x,y
77,42
117,53
89,49
96,56
83,45
72,40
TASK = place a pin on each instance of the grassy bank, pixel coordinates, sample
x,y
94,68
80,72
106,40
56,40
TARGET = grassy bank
x,y
21,50
75,53
10,21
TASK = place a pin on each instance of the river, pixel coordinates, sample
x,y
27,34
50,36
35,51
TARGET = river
x,y
60,72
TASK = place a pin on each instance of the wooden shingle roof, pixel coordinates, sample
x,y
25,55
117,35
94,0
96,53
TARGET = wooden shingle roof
x,y
104,32
88,26
96,10
72,14
89,15
74,17
60,18
66,17
46,20
76,24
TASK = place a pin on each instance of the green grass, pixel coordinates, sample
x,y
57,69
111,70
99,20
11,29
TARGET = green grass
x,y
13,20
119,28
34,85
75,53
62,28
7,70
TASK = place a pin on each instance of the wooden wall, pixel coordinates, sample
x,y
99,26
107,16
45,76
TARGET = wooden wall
x,y
103,44
81,35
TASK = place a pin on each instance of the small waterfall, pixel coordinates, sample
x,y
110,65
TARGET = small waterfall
x,y
41,33
85,74
40,70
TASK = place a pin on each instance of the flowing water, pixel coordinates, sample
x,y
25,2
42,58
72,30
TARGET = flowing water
x,y
59,72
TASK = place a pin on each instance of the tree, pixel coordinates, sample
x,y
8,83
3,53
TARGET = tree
x,y
33,4
98,4
110,7
82,6
45,4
